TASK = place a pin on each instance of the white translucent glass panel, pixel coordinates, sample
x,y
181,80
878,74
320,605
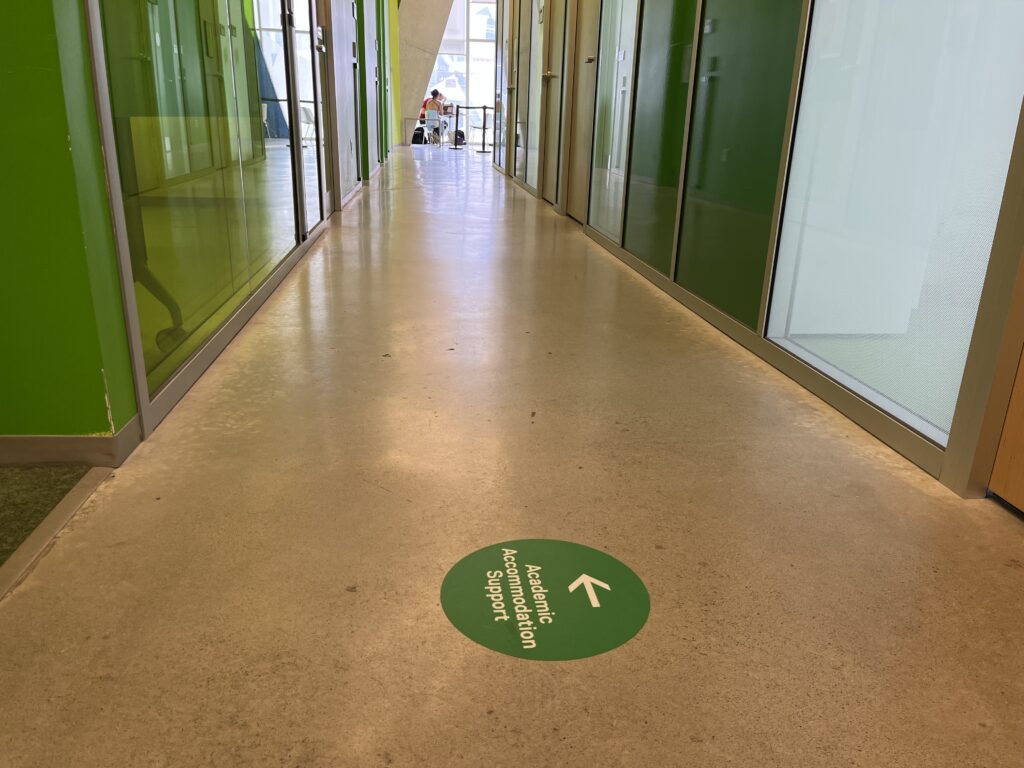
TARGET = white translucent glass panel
x,y
906,123
536,70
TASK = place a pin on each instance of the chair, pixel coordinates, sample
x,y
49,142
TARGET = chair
x,y
308,118
432,127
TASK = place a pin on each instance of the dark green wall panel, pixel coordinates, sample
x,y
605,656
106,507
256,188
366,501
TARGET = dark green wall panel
x,y
744,76
666,44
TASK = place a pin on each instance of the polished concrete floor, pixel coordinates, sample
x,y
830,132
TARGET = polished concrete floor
x,y
452,366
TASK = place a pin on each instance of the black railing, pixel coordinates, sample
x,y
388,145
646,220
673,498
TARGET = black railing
x,y
483,132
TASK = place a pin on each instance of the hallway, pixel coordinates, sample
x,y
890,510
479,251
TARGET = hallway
x,y
451,366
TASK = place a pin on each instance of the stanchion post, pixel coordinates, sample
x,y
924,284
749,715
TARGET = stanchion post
x,y
455,137
483,134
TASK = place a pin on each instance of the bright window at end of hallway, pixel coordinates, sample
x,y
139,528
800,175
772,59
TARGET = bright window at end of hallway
x,y
903,140
464,68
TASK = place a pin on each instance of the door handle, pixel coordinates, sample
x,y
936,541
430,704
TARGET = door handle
x,y
590,60
548,75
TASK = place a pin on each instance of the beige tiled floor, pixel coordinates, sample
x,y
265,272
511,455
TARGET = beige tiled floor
x,y
454,366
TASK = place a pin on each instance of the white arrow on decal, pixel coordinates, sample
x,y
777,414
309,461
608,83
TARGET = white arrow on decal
x,y
588,583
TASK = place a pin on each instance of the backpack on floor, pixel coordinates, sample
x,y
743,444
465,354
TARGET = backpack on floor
x,y
417,135
460,138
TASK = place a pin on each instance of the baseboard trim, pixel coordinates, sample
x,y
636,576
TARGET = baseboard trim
x,y
97,451
20,564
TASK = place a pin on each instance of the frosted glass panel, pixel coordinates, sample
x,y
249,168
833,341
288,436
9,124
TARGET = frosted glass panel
x,y
536,70
903,141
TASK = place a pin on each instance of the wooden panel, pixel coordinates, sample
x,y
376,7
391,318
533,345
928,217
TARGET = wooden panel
x,y
1008,475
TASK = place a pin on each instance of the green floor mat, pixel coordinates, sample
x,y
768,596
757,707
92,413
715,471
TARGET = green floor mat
x,y
27,494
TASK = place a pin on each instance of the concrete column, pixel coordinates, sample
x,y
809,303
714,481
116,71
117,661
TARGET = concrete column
x,y
421,26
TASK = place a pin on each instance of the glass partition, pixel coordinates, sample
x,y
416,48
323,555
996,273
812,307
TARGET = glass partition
x,y
308,111
501,101
523,41
903,140
536,72
199,104
267,170
612,116
744,78
663,80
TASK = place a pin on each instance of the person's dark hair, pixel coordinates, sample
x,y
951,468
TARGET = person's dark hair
x,y
435,93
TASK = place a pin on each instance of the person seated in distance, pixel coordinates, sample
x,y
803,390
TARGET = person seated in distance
x,y
434,101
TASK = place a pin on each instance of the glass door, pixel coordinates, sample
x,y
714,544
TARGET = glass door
x,y
612,118
536,71
522,79
500,57
199,105
324,125
216,114
308,106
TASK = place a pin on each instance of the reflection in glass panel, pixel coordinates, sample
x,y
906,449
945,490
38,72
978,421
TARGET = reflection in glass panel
x,y
522,87
326,150
186,85
663,79
267,169
738,121
536,70
906,124
309,131
500,74
611,120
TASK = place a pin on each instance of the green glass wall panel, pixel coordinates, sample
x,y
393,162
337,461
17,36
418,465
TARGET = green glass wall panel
x,y
744,76
200,107
663,81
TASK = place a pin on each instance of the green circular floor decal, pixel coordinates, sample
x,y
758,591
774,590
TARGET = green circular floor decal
x,y
544,599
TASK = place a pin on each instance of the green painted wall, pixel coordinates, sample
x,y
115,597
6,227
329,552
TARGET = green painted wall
x,y
64,347
744,75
